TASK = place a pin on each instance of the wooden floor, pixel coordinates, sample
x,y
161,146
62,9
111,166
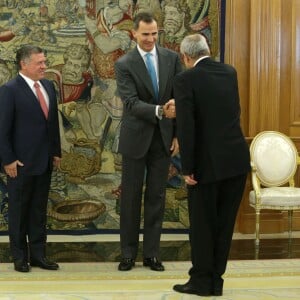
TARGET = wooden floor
x,y
106,248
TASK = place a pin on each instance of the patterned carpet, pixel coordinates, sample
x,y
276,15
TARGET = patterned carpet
x,y
244,280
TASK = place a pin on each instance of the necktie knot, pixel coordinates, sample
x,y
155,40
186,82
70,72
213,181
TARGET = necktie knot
x,y
152,73
36,85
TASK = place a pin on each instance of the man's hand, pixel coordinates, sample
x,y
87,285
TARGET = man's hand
x,y
12,169
189,179
56,161
169,109
174,147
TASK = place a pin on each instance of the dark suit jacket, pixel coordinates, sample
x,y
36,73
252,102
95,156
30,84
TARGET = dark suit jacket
x,y
212,145
136,91
25,134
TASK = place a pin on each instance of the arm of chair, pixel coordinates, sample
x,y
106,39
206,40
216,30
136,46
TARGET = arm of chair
x,y
292,181
255,182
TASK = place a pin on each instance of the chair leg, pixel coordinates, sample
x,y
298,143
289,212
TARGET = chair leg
x,y
257,218
290,225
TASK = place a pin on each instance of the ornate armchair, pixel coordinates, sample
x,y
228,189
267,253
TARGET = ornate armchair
x,y
274,161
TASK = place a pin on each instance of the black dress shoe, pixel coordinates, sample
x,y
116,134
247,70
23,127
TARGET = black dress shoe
x,y
44,263
188,288
126,264
153,263
21,266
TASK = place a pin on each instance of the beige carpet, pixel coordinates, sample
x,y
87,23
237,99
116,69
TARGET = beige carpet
x,y
244,280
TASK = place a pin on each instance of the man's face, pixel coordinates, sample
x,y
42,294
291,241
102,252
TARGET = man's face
x,y
146,35
173,20
72,70
35,66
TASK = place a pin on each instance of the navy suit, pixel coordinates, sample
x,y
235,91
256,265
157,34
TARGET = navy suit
x,y
145,143
26,135
214,150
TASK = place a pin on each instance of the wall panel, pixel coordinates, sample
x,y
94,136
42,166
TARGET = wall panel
x,y
295,69
262,42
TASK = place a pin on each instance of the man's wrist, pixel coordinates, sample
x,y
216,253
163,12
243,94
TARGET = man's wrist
x,y
160,111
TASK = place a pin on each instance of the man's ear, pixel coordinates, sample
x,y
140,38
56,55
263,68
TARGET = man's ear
x,y
133,33
187,58
188,61
22,64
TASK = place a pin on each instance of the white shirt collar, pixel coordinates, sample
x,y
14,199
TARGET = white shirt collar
x,y
31,82
143,53
28,80
199,59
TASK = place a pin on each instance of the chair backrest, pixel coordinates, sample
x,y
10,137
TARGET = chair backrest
x,y
274,156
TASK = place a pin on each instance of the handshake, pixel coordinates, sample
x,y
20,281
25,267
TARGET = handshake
x,y
169,110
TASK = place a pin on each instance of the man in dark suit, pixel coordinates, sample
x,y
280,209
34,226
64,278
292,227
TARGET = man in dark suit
x,y
29,147
215,161
147,140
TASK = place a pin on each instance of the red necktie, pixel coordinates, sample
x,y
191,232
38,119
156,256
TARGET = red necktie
x,y
41,99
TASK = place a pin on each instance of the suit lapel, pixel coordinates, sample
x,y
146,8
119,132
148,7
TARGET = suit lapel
x,y
49,92
142,71
27,90
29,95
163,69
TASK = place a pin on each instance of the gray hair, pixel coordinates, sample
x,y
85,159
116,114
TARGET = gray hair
x,y
194,46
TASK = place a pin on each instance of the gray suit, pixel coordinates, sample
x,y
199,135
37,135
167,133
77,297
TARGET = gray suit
x,y
145,147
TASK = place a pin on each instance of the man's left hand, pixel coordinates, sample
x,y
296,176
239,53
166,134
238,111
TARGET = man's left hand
x,y
174,147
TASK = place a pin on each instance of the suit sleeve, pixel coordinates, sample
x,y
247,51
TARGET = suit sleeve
x,y
178,69
56,145
128,92
185,122
7,154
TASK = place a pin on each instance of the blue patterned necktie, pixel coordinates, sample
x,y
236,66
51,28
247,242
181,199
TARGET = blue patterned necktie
x,y
152,73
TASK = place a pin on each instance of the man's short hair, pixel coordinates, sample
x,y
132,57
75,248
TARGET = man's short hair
x,y
144,16
25,52
194,46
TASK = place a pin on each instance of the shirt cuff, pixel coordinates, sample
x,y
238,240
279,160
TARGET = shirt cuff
x,y
156,112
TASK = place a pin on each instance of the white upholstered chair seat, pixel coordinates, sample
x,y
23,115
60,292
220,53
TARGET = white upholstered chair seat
x,y
282,198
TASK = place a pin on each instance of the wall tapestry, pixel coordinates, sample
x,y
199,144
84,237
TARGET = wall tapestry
x,y
83,39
